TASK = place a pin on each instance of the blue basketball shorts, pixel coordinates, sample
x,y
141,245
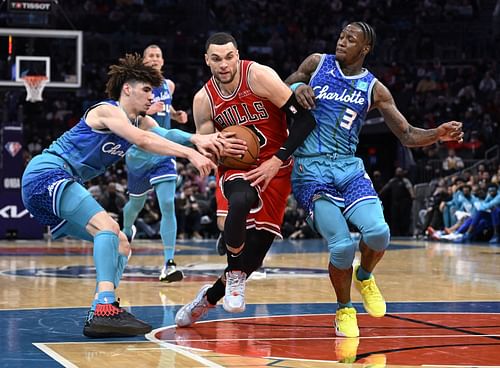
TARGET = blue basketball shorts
x,y
45,179
341,180
143,174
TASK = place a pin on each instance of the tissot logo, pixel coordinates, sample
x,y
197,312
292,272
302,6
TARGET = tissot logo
x,y
30,5
13,212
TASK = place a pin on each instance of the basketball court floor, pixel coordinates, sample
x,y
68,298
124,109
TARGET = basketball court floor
x,y
443,309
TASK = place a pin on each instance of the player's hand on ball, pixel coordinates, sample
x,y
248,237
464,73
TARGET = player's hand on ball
x,y
209,145
264,173
233,147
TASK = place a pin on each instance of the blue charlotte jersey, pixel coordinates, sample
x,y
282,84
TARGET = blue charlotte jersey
x,y
89,151
163,94
342,103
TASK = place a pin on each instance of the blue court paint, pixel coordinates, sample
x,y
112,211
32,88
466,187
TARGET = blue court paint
x,y
19,329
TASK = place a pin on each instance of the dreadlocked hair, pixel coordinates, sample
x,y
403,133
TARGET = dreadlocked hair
x,y
368,32
130,69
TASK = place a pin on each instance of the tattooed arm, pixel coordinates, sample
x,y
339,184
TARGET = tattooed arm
x,y
305,71
409,135
304,93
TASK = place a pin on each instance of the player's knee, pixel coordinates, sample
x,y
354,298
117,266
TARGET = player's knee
x,y
113,226
377,236
124,245
166,204
342,253
242,201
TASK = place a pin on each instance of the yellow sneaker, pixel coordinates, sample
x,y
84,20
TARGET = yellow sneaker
x,y
373,301
346,349
375,361
346,324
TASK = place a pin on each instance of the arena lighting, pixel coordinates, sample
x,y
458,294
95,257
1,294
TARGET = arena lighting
x,y
30,6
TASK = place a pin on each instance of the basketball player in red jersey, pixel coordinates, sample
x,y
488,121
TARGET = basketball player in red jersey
x,y
243,92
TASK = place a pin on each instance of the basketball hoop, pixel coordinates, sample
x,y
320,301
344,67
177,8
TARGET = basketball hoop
x,y
34,87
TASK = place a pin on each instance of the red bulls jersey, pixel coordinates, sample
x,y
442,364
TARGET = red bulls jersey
x,y
243,107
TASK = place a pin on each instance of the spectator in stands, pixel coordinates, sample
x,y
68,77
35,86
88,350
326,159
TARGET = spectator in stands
x,y
463,206
452,162
451,205
496,177
190,212
399,190
487,86
486,220
377,180
112,201
148,221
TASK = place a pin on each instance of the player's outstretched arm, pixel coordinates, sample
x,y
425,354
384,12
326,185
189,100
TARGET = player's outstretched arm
x,y
210,145
115,120
409,135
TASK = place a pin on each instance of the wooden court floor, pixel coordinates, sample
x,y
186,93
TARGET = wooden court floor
x,y
443,309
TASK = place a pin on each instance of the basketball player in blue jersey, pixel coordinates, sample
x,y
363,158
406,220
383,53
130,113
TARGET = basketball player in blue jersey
x,y
330,182
145,170
52,187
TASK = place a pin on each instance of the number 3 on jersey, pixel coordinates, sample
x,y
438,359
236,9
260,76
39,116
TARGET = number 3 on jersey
x,y
348,118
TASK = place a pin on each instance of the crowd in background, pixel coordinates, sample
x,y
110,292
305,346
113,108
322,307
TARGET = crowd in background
x,y
438,58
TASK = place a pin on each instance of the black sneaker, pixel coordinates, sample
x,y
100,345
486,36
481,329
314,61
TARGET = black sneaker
x,y
170,273
220,245
109,320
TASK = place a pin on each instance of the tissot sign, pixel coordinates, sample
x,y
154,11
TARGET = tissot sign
x,y
15,220
24,5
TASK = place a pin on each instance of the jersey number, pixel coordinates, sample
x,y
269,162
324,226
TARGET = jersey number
x,y
348,118
262,138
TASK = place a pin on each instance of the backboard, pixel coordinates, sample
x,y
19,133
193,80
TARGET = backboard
x,y
56,54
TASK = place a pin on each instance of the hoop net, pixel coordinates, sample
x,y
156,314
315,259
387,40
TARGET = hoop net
x,y
34,87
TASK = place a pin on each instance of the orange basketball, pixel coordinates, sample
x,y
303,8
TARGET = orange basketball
x,y
250,157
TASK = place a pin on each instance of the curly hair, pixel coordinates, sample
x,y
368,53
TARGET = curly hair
x,y
130,69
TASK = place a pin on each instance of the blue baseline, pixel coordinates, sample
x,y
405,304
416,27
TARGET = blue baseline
x,y
19,329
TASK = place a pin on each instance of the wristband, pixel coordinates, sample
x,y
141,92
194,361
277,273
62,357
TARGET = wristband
x,y
294,86
174,135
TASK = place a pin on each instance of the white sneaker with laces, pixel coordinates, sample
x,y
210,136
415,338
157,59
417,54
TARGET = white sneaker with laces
x,y
197,309
234,299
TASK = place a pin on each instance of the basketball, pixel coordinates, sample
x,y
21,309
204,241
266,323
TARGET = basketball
x,y
250,156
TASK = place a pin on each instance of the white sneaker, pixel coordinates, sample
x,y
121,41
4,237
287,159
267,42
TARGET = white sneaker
x,y
192,312
134,233
170,273
234,299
